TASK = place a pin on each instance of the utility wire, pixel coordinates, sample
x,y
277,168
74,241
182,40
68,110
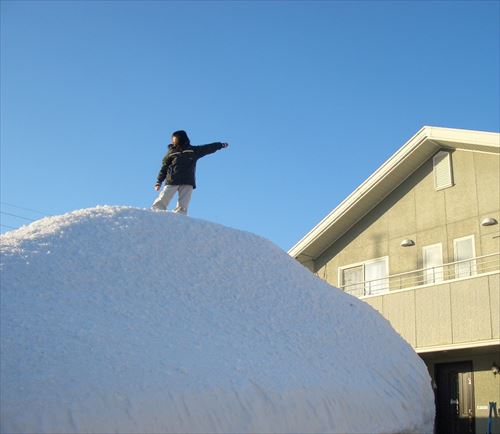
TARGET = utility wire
x,y
15,215
7,226
25,209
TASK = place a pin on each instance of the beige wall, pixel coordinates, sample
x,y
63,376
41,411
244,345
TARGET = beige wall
x,y
461,311
415,210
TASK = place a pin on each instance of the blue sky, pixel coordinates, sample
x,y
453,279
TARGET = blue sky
x,y
312,97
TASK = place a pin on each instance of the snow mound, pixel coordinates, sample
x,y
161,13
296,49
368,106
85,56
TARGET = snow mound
x,y
117,319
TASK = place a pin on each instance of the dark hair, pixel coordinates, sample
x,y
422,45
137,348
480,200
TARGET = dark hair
x,y
183,137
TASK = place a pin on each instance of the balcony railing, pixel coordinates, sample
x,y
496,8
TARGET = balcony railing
x,y
424,276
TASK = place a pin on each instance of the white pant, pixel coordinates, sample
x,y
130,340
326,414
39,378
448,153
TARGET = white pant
x,y
167,194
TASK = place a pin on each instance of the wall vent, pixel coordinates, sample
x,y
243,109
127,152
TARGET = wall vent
x,y
443,175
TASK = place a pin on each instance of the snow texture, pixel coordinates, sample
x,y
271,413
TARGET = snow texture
x,y
118,319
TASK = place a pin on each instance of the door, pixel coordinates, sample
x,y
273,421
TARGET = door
x,y
375,276
433,263
455,398
464,254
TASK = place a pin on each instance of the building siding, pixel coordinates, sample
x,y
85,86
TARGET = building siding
x,y
415,210
471,307
461,311
494,287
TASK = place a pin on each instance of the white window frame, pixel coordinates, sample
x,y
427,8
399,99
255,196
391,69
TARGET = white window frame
x,y
473,268
450,170
340,271
436,277
341,275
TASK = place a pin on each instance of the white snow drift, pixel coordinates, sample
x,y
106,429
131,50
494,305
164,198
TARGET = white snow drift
x,y
116,319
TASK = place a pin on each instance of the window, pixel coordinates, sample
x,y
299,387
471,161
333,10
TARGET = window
x,y
352,279
367,278
443,176
433,263
465,251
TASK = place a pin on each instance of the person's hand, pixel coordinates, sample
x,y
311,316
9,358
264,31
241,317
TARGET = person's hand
x,y
157,187
225,145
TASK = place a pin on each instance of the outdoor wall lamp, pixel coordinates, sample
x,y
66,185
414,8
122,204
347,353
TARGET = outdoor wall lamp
x,y
495,369
489,221
407,243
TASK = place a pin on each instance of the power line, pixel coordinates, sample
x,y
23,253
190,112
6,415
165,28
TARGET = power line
x,y
7,226
23,208
18,216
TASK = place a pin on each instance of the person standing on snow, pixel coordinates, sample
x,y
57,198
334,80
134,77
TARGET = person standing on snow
x,y
178,171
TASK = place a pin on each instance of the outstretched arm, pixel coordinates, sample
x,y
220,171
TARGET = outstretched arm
x,y
203,150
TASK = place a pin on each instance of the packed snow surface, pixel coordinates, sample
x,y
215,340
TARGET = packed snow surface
x,y
117,319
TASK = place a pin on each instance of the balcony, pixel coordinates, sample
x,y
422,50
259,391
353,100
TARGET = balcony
x,y
474,267
455,305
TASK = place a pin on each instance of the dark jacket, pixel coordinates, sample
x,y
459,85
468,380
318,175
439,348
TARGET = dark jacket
x,y
179,165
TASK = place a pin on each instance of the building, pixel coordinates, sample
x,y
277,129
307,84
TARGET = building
x,y
419,242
